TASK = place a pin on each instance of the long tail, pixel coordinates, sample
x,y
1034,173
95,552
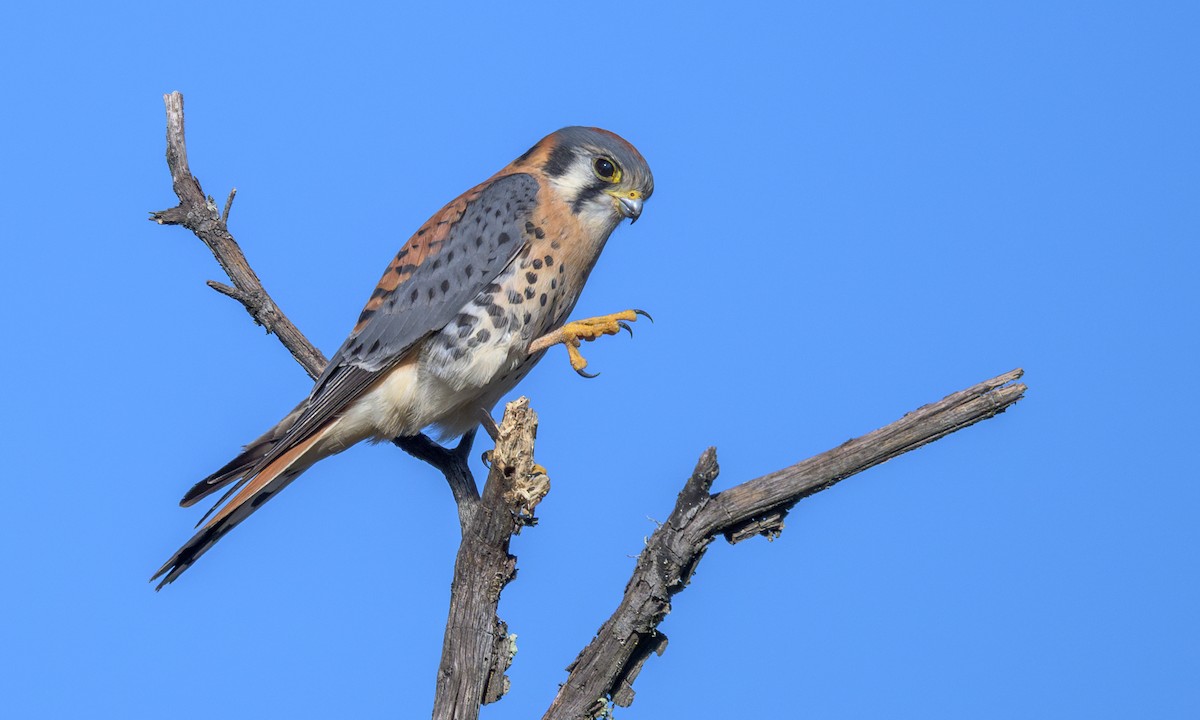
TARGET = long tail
x,y
256,491
244,464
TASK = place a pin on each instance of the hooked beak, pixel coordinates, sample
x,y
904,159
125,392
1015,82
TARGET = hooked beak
x,y
630,207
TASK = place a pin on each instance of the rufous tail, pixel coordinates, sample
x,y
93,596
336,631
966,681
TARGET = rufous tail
x,y
260,488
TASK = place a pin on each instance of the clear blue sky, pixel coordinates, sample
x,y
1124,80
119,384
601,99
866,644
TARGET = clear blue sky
x,y
859,209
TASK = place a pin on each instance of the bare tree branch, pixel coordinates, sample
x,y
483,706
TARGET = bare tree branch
x,y
606,668
198,213
475,637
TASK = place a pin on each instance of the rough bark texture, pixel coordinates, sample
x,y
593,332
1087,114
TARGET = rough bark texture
x,y
606,668
477,648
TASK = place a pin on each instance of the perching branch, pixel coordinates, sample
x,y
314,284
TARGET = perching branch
x,y
606,668
477,648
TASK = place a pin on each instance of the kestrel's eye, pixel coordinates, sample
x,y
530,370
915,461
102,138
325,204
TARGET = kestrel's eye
x,y
606,169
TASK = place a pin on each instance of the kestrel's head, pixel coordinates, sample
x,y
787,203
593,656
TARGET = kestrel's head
x,y
601,176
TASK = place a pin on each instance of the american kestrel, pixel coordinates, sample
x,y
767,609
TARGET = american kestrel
x,y
449,329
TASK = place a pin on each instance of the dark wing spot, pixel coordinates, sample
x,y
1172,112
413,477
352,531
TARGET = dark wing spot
x,y
468,271
502,238
373,348
445,286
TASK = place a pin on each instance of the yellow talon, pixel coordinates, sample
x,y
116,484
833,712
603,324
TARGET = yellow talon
x,y
573,332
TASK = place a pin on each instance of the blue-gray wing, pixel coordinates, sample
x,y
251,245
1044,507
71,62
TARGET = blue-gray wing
x,y
450,260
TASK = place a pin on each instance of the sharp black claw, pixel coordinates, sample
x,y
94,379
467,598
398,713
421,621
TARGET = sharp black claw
x,y
626,328
586,374
644,314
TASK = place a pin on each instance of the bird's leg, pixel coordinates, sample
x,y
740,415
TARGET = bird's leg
x,y
574,332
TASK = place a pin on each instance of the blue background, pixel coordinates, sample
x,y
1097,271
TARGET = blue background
x,y
859,209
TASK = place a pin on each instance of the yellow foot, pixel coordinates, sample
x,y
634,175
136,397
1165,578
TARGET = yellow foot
x,y
573,332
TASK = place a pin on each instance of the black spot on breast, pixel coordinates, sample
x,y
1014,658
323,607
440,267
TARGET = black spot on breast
x,y
537,264
531,277
555,244
499,321
525,320
530,292
514,297
561,268
542,300
458,354
539,233
464,320
465,331
494,310
553,283
483,336
549,260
